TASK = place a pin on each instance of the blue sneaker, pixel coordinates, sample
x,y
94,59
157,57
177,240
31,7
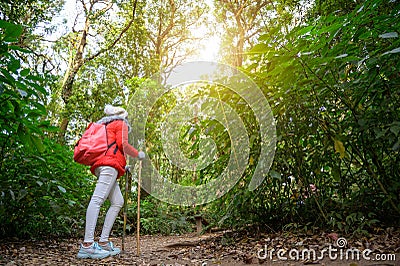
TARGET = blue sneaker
x,y
110,248
94,251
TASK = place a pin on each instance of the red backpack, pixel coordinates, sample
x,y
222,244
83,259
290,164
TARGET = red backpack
x,y
92,145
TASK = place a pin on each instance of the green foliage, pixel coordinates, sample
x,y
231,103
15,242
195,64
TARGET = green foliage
x,y
326,7
356,223
43,194
334,89
157,217
21,95
41,189
20,11
35,16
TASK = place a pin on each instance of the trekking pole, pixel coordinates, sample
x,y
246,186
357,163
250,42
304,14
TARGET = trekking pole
x,y
125,206
138,209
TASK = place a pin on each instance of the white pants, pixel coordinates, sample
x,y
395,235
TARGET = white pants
x,y
106,187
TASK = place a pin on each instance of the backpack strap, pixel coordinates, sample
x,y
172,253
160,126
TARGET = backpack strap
x,y
114,142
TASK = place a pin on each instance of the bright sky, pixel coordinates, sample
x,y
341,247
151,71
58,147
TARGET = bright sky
x,y
209,49
210,52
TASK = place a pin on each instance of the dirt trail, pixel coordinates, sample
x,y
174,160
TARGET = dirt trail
x,y
219,248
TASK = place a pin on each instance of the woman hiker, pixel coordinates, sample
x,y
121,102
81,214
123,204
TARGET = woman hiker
x,y
108,169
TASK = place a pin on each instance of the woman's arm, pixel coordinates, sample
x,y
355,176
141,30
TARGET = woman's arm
x,y
122,141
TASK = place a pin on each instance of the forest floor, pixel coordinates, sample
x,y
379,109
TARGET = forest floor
x,y
218,248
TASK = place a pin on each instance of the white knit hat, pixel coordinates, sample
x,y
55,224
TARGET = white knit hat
x,y
115,111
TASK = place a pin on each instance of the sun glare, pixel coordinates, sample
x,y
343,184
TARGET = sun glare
x,y
209,44
208,49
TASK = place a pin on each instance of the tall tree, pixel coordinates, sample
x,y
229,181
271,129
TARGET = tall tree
x,y
242,22
20,11
169,24
36,25
84,49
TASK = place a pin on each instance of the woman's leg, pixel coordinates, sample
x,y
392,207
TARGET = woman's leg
x,y
117,201
107,177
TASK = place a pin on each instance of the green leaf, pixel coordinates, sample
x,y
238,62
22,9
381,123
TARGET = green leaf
x,y
365,35
341,56
21,131
395,129
275,174
71,203
380,133
38,143
23,93
389,35
34,77
360,9
339,148
25,72
13,65
259,48
63,190
11,31
8,78
305,30
38,88
18,48
21,86
340,226
41,108
3,48
394,51
22,194
4,80
12,194
396,146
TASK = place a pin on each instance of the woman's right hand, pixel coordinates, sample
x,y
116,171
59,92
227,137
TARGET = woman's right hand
x,y
141,155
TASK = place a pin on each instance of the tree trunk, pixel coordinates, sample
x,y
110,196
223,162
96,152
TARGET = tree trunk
x,y
78,60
